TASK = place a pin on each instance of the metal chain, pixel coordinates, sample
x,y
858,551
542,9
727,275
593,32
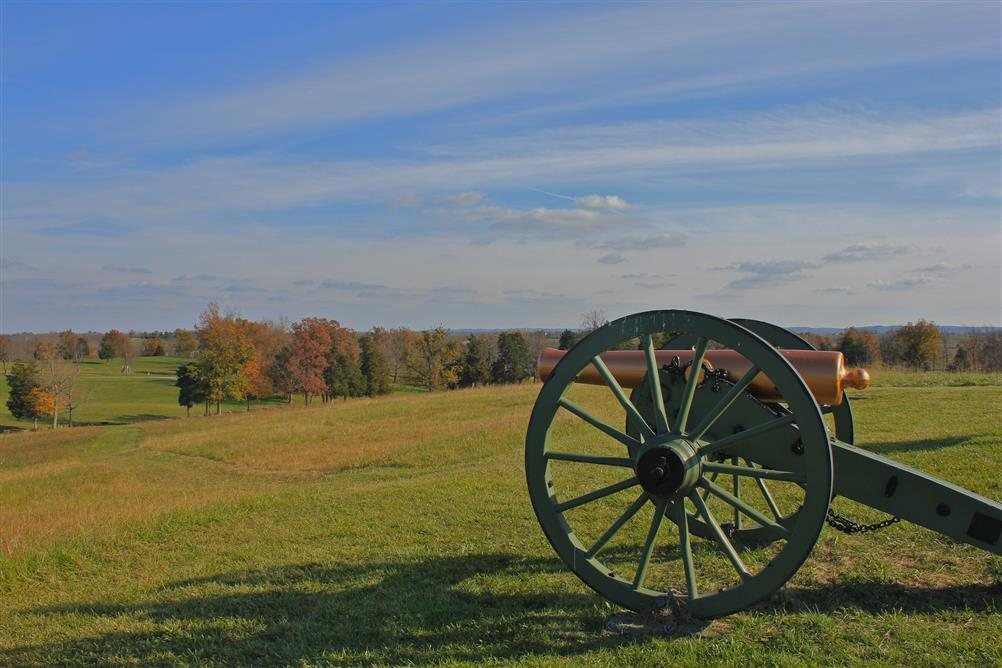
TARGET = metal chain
x,y
846,525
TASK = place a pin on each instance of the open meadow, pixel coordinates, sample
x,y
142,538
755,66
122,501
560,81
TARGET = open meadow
x,y
398,530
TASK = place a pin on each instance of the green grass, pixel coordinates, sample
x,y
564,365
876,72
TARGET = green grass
x,y
398,531
111,397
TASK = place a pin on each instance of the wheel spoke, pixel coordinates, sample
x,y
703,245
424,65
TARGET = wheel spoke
x,y
743,507
713,476
597,494
617,525
613,384
603,427
767,474
767,496
718,533
654,380
737,493
695,370
589,459
757,430
652,534
682,519
724,403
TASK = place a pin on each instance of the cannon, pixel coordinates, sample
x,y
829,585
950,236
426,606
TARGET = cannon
x,y
700,466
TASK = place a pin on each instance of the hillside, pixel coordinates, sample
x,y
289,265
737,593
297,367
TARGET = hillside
x,y
398,530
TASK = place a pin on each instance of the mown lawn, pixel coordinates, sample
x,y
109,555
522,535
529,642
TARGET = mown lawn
x,y
398,530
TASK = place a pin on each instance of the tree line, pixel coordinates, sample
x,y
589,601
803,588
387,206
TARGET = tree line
x,y
231,358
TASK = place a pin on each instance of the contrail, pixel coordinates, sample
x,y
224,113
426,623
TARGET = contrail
x,y
546,192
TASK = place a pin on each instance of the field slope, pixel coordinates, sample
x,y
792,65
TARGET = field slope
x,y
398,530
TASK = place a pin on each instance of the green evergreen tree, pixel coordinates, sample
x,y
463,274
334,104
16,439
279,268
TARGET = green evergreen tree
x,y
374,367
567,340
344,377
514,361
22,379
193,389
476,368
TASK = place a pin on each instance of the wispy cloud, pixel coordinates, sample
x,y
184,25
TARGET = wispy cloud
x,y
612,258
764,274
866,252
469,198
901,284
637,243
118,269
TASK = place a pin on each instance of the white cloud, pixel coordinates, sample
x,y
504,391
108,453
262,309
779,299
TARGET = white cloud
x,y
901,284
469,198
614,202
612,258
868,251
766,273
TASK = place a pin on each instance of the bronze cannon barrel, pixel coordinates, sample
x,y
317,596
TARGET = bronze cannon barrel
x,y
823,370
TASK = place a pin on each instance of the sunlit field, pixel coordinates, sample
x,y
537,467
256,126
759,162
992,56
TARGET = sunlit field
x,y
398,530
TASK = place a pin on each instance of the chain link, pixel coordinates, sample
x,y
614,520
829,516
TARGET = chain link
x,y
846,525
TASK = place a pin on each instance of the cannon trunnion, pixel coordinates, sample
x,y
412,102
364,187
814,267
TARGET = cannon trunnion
x,y
711,487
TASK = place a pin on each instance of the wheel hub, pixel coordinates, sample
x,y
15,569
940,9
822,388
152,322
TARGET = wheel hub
x,y
668,469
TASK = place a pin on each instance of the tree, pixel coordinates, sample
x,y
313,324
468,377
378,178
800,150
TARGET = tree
x,y
307,361
66,345
24,378
567,340
153,347
224,351
395,344
344,377
185,342
920,344
44,350
192,388
514,361
592,320
116,344
5,352
852,345
58,381
432,359
374,367
81,350
961,360
476,368
279,373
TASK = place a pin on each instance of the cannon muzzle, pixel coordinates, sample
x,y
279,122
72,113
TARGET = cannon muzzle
x,y
824,371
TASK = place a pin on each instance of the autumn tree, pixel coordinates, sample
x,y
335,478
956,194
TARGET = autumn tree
x,y
153,347
476,368
5,352
116,344
185,342
66,345
395,345
920,345
432,359
224,351
308,357
858,346
24,382
44,350
514,361
373,366
567,340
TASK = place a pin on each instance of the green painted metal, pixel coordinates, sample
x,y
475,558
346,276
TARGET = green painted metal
x,y
800,421
714,429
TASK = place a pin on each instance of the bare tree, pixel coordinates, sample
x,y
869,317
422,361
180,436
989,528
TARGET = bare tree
x,y
592,320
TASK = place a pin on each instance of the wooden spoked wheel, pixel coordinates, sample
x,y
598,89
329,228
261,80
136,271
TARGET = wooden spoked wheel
x,y
615,507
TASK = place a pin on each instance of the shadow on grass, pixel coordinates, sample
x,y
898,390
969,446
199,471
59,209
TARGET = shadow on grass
x,y
878,597
464,608
916,446
139,417
468,609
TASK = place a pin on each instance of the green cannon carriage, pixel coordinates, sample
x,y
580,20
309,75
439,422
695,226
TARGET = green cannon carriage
x,y
704,465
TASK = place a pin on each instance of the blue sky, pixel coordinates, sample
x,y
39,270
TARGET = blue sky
x,y
500,164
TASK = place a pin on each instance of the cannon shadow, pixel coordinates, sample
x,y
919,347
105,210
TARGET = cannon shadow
x,y
465,609
389,612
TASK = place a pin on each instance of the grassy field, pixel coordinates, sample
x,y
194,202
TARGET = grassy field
x,y
398,530
111,397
